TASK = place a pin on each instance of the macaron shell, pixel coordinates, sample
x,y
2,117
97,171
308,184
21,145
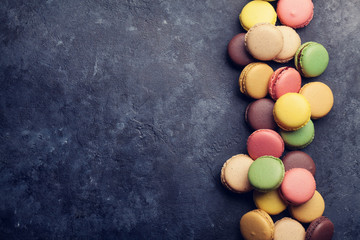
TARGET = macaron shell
x,y
266,173
291,44
257,12
270,202
234,173
257,225
320,97
295,13
312,59
299,159
259,114
237,51
300,138
254,80
320,229
298,186
284,80
265,142
310,210
264,41
292,111
288,228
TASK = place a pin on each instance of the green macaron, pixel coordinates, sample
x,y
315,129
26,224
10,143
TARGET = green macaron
x,y
311,59
300,138
266,173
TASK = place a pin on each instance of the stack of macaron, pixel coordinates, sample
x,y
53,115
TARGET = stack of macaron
x,y
282,116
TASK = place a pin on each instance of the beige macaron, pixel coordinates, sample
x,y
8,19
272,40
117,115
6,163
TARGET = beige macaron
x,y
288,228
292,42
234,173
264,41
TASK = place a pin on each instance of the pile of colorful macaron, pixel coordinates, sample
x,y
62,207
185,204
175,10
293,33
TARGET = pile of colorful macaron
x,y
282,120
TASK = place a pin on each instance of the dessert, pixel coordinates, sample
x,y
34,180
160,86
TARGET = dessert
x,y
234,173
284,80
259,114
310,210
300,138
270,202
288,228
257,225
295,13
298,186
320,97
264,41
311,59
292,111
291,44
254,80
237,51
257,12
299,159
320,229
264,142
266,173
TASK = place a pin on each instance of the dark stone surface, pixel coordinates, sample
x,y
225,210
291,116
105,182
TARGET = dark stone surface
x,y
117,115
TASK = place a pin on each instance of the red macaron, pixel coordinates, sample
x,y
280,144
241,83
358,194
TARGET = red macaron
x,y
284,80
298,186
265,142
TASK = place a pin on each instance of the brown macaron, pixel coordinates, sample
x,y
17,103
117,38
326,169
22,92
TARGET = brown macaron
x,y
299,159
259,114
264,41
237,51
234,173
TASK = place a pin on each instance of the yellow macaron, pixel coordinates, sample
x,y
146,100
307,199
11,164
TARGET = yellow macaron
x,y
310,210
270,202
257,12
257,224
320,97
254,80
292,111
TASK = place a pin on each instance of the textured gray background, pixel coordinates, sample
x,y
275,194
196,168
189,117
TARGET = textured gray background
x,y
116,117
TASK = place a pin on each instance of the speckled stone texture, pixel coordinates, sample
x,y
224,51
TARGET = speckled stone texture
x,y
117,115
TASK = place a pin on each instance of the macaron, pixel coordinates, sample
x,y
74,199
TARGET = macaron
x,y
264,142
259,114
298,186
299,159
291,44
292,111
284,80
264,41
320,97
266,173
234,173
254,80
237,51
257,12
311,59
300,138
310,210
295,13
320,229
288,228
270,202
257,225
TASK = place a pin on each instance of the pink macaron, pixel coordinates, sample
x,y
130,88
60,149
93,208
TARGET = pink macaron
x,y
265,142
284,80
298,186
295,13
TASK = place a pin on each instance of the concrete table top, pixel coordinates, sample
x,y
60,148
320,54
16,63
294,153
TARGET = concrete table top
x,y
117,116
